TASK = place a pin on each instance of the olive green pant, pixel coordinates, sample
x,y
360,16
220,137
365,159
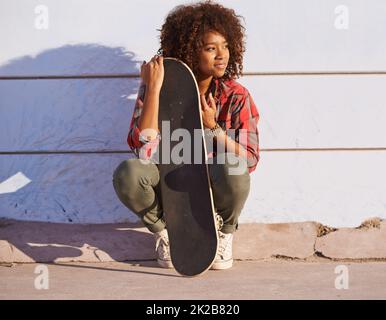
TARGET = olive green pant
x,y
137,185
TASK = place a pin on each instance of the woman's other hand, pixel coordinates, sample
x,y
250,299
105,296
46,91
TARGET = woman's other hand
x,y
152,73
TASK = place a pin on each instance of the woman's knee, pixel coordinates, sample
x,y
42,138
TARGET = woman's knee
x,y
133,171
124,170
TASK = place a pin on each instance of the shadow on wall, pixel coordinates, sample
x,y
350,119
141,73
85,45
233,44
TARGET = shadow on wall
x,y
65,116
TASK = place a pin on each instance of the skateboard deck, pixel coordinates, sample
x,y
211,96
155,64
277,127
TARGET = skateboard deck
x,y
185,186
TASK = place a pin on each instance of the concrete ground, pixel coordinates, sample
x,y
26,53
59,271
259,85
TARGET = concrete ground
x,y
266,279
303,260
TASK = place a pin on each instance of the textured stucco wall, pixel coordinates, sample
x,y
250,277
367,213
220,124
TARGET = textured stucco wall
x,y
322,136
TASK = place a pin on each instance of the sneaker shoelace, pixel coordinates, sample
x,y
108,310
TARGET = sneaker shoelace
x,y
224,246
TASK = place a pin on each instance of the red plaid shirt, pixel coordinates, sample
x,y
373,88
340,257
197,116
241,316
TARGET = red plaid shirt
x,y
235,110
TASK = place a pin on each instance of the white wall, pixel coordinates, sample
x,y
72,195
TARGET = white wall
x,y
311,125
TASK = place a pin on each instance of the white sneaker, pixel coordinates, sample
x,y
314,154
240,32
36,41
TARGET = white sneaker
x,y
224,259
162,249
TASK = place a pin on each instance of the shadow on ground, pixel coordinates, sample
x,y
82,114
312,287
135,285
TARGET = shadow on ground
x,y
59,242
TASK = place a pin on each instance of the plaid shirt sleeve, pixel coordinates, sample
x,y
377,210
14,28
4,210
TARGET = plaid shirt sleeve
x,y
245,117
142,149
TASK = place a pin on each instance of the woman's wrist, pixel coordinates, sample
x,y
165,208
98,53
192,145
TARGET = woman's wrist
x,y
153,89
211,125
214,131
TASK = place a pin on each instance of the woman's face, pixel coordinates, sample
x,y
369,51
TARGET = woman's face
x,y
214,55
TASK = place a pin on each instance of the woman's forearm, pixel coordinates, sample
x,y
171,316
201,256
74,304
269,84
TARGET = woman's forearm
x,y
149,115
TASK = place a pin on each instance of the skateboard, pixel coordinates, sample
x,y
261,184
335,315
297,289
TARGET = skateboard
x,y
186,192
